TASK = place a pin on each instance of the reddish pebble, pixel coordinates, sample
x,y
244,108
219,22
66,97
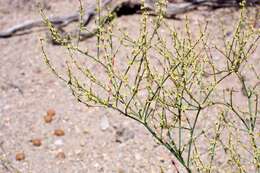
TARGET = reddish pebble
x,y
51,112
48,118
36,142
59,132
20,156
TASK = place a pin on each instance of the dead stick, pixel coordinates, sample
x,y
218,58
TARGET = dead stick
x,y
171,10
57,21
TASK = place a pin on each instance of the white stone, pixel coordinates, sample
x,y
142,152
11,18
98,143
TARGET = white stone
x,y
138,156
104,123
58,142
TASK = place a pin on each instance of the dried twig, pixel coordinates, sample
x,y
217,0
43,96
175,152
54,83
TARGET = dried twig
x,y
57,21
119,8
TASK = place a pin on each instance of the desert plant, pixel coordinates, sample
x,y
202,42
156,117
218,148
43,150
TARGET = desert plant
x,y
169,81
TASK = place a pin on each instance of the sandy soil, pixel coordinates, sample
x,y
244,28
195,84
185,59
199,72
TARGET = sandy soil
x,y
28,90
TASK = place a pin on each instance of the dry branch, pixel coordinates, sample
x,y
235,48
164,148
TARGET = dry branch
x,y
119,8
57,21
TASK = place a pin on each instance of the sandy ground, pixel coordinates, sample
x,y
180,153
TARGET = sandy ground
x,y
28,90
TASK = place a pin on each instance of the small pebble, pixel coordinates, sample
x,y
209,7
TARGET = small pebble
x,y
20,156
61,155
51,112
82,143
59,132
36,142
85,131
66,118
48,118
58,142
104,123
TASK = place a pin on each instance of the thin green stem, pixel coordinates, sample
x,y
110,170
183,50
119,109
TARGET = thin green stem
x,y
191,136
